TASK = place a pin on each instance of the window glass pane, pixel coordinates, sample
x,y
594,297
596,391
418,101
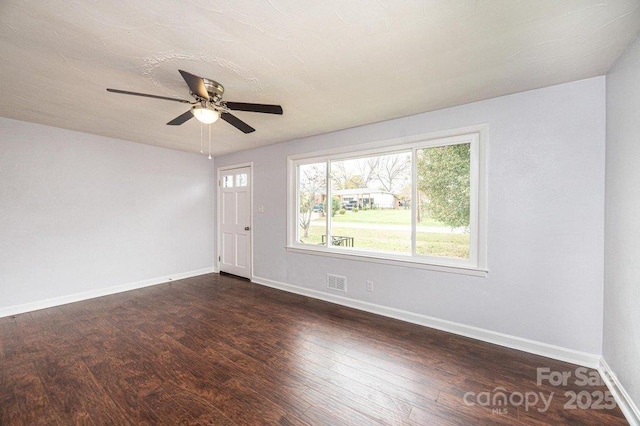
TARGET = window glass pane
x,y
241,179
227,181
414,203
312,196
371,198
443,205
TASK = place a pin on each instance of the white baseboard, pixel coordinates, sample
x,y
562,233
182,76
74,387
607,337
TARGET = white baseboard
x,y
77,297
519,343
624,401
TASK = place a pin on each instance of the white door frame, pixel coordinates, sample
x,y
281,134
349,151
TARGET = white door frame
x,y
220,170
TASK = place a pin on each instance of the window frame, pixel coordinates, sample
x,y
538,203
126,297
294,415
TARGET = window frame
x,y
475,135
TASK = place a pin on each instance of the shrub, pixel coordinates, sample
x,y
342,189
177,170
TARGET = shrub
x,y
355,210
342,211
335,205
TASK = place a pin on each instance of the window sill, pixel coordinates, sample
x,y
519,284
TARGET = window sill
x,y
378,258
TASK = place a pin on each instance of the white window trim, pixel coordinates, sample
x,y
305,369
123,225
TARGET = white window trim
x,y
477,264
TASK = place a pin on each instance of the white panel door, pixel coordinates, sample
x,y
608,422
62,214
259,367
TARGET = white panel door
x,y
235,221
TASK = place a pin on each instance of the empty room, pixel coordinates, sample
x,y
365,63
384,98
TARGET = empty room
x,y
320,213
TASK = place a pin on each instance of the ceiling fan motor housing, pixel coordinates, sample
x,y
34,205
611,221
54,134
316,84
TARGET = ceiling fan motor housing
x,y
214,89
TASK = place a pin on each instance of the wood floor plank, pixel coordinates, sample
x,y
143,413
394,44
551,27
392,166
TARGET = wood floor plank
x,y
244,405
73,387
9,337
217,350
414,395
175,406
324,410
24,399
277,384
127,385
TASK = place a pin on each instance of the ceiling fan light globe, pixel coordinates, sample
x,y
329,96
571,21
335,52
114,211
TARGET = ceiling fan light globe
x,y
205,115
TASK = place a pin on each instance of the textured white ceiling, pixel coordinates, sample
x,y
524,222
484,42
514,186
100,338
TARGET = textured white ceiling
x,y
331,64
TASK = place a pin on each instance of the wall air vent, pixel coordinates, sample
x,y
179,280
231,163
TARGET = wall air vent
x,y
337,282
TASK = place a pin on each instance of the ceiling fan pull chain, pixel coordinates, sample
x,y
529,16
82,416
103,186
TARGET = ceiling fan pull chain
x,y
209,141
201,150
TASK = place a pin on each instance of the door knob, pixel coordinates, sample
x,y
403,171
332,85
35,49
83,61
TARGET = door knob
x,y
246,228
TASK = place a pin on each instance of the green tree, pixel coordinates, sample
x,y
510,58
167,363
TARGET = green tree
x,y
312,187
444,183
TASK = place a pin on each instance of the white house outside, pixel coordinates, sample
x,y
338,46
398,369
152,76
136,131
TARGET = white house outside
x,y
367,197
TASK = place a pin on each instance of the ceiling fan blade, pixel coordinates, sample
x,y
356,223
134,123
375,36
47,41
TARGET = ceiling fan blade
x,y
125,92
196,84
237,123
265,108
181,119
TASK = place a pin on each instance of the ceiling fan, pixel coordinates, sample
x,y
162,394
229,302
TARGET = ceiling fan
x,y
208,105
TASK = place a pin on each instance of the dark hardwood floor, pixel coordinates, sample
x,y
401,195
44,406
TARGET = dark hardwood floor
x,y
218,350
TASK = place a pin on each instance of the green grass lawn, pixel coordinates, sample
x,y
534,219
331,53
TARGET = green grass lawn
x,y
383,216
430,244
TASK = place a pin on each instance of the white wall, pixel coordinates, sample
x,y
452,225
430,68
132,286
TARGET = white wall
x,y
546,219
82,213
622,224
